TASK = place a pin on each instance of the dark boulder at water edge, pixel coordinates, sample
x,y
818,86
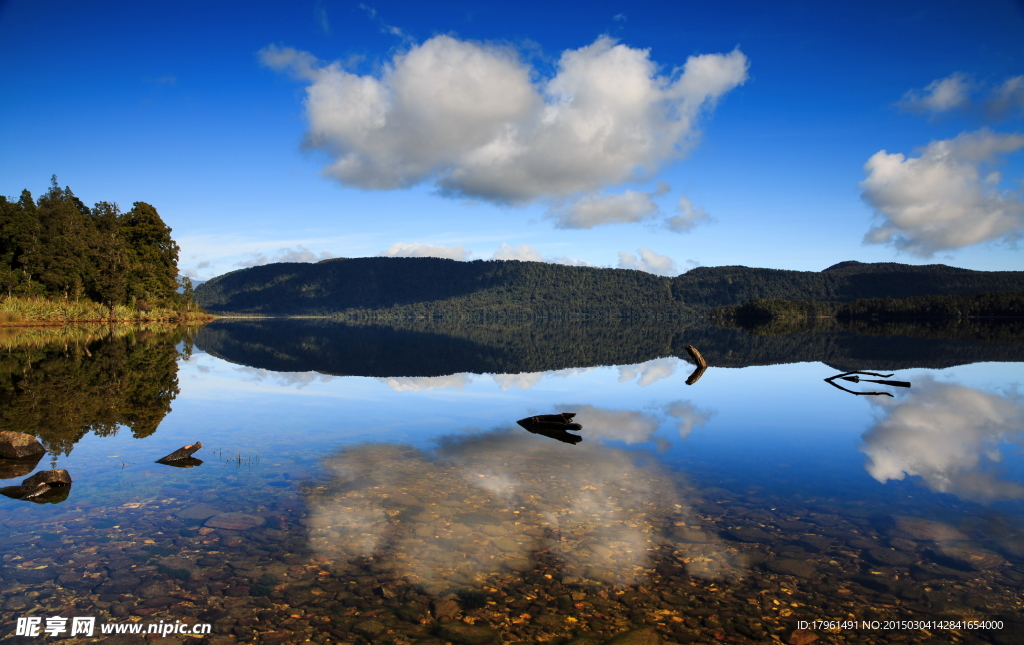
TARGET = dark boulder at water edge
x,y
18,445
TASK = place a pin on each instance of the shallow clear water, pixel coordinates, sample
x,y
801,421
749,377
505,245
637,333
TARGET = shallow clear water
x,y
399,507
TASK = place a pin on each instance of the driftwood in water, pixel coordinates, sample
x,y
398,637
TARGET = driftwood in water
x,y
554,426
181,453
695,355
702,365
187,462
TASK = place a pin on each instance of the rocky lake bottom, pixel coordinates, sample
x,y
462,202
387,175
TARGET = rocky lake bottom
x,y
765,507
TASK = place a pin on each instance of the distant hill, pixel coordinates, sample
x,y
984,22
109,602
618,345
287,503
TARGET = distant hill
x,y
428,287
403,288
706,287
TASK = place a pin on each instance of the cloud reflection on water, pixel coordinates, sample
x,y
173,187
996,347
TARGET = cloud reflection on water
x,y
287,379
649,371
420,383
500,501
950,436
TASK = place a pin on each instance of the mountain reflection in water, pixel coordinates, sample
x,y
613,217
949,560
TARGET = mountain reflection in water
x,y
407,507
437,349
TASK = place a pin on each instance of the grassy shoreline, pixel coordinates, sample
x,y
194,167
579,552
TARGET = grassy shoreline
x,y
33,311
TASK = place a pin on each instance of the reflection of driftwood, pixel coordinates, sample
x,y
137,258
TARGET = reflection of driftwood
x,y
854,378
702,365
857,379
187,462
181,453
697,373
554,426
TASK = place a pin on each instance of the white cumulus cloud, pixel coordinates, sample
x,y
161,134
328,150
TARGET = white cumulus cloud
x,y
959,91
573,262
688,216
478,122
287,254
523,252
648,261
949,436
417,250
942,199
594,210
1007,98
526,253
942,95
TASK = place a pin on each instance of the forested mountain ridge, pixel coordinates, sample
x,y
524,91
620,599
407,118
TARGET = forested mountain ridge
x,y
706,287
386,287
413,287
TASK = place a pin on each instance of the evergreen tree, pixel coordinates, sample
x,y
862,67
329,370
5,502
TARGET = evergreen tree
x,y
110,254
65,241
152,256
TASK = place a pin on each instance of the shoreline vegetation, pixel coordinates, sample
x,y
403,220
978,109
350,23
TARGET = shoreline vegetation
x,y
985,306
33,311
62,262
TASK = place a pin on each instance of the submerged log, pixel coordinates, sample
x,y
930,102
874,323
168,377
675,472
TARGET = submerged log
x,y
181,453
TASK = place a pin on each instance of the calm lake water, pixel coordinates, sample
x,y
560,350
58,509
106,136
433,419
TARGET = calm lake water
x,y
368,484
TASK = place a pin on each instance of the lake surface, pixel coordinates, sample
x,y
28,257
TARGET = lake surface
x,y
369,484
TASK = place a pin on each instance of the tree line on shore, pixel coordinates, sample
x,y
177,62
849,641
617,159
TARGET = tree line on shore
x,y
56,247
988,304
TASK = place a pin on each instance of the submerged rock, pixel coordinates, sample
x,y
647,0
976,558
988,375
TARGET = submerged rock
x,y
235,521
636,637
198,512
792,567
464,634
927,530
891,557
969,558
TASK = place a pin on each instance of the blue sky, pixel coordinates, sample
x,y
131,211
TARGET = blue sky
x,y
658,136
